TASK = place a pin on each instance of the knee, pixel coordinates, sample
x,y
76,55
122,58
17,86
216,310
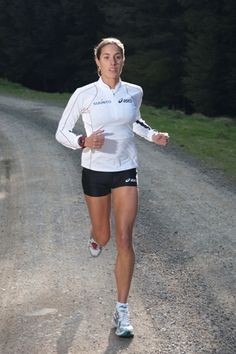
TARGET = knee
x,y
124,242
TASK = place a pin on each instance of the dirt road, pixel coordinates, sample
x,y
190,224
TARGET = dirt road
x,y
55,298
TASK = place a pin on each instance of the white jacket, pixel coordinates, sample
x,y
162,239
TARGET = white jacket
x,y
115,111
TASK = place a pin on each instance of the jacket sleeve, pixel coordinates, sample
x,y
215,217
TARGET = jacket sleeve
x,y
71,114
140,127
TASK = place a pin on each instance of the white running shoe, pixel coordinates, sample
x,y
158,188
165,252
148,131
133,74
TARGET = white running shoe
x,y
122,324
94,248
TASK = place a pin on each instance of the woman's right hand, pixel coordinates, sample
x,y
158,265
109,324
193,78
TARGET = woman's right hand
x,y
95,140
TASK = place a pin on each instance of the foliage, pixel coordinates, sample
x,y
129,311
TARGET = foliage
x,y
46,44
210,57
153,34
182,52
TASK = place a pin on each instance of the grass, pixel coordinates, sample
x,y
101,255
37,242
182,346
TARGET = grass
x,y
212,140
14,89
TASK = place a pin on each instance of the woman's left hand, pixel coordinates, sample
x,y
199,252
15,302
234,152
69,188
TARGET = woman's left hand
x,y
161,138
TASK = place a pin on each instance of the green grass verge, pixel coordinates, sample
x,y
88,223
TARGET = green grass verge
x,y
14,89
212,140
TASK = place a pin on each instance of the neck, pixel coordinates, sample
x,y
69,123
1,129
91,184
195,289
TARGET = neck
x,y
110,82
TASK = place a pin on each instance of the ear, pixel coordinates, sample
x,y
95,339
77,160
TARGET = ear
x,y
97,62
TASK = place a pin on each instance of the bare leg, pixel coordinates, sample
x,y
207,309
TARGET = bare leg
x,y
125,203
99,211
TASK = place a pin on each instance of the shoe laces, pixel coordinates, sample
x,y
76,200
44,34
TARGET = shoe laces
x,y
123,314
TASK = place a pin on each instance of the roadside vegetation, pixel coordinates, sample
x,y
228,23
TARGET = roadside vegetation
x,y
212,140
181,52
15,89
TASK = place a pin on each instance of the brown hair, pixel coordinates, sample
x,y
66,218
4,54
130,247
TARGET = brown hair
x,y
102,43
105,41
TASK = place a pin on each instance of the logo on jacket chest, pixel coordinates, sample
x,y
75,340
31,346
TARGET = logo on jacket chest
x,y
125,100
102,102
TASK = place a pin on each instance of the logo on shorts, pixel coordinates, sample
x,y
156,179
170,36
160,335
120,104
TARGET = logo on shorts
x,y
132,180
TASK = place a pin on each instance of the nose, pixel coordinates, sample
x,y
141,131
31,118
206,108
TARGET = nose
x,y
113,61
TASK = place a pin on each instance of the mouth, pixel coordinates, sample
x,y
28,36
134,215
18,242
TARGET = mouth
x,y
114,70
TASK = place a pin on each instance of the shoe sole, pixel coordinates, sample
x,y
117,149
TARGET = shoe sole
x,y
126,334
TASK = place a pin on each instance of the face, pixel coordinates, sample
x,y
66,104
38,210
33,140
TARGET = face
x,y
110,62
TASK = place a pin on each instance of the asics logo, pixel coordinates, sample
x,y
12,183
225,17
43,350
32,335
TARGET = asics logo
x,y
132,180
125,100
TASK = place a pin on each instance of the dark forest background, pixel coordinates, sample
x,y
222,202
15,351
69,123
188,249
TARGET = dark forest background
x,y
182,52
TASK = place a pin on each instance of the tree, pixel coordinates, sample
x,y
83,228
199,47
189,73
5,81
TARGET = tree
x,y
48,44
229,48
15,38
205,72
153,34
182,52
83,23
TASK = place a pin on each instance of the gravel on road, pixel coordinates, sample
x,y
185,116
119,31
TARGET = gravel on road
x,y
55,298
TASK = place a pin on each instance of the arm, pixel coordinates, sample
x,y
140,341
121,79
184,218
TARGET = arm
x,y
141,128
71,114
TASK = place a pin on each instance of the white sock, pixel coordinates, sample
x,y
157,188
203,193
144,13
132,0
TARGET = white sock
x,y
121,305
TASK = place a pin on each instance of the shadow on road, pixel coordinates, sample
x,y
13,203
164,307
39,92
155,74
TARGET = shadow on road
x,y
116,344
68,333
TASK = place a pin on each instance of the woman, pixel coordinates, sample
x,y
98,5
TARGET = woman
x,y
109,109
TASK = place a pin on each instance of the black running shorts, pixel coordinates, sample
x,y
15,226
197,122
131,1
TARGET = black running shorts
x,y
97,184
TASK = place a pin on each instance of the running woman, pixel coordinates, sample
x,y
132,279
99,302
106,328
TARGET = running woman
x,y
110,111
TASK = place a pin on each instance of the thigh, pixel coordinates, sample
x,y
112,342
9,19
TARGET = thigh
x,y
96,183
125,205
99,211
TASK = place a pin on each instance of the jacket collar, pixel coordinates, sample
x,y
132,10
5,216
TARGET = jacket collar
x,y
104,86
